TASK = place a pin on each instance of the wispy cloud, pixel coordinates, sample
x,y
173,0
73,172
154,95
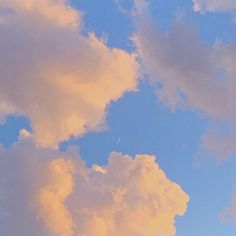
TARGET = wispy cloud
x,y
229,213
214,5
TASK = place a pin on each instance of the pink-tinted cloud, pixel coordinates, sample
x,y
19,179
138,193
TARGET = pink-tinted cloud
x,y
53,74
45,192
188,74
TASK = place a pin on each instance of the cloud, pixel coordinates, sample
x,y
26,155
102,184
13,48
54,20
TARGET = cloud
x,y
20,178
219,145
51,197
185,67
45,192
54,74
129,192
214,5
229,213
187,73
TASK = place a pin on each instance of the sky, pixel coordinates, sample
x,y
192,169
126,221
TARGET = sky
x,y
117,117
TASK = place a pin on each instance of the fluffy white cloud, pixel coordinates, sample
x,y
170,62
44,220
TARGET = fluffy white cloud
x,y
188,73
54,74
45,192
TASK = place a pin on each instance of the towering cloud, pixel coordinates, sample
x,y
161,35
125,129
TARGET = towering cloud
x,y
54,74
45,192
188,73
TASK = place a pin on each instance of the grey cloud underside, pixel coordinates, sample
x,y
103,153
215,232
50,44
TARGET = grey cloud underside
x,y
187,73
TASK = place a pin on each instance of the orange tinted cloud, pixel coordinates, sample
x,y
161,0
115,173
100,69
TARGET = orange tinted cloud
x,y
125,194
58,195
52,73
51,197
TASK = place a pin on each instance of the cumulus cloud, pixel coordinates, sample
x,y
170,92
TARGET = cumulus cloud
x,y
187,73
54,74
183,66
128,192
45,192
51,197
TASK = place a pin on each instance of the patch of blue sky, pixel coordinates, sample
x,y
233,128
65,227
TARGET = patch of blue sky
x,y
104,18
9,130
211,192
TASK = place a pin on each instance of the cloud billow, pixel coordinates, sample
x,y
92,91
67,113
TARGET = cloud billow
x,y
53,74
47,192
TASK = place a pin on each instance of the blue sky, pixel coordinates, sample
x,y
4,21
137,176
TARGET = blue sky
x,y
140,122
